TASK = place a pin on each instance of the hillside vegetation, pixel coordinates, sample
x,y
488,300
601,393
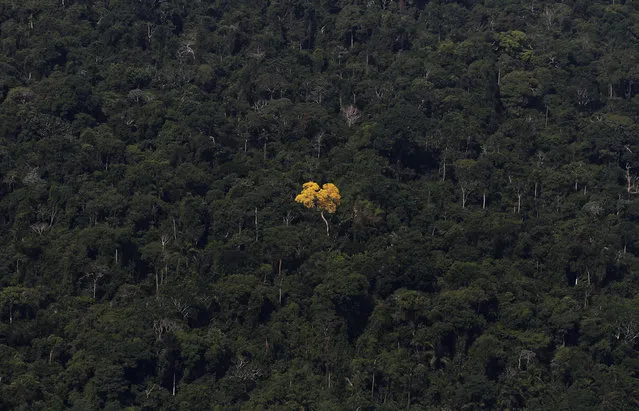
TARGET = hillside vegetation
x,y
475,246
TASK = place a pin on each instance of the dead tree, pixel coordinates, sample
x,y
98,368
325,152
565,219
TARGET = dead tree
x,y
351,114
467,187
632,182
525,355
150,29
317,142
186,48
244,372
629,330
548,17
162,326
164,240
519,194
39,228
47,213
95,274
183,308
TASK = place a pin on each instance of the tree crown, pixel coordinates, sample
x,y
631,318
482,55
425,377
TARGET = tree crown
x,y
326,198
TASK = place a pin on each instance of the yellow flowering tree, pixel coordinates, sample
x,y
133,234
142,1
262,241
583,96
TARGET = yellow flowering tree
x,y
326,198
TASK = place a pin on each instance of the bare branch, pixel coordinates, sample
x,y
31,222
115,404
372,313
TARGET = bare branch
x,y
39,228
162,326
351,114
632,182
184,309
242,371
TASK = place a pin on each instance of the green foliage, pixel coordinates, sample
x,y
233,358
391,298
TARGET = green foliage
x,y
483,254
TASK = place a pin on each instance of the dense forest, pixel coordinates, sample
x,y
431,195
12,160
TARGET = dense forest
x,y
476,245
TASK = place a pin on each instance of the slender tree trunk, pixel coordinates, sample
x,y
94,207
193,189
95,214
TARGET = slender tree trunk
x,y
483,203
280,275
157,285
174,231
325,222
546,116
518,203
256,227
373,386
174,383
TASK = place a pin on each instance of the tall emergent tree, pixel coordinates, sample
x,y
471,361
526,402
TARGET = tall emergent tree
x,y
326,198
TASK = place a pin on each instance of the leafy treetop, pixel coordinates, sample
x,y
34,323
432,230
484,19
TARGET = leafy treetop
x,y
325,198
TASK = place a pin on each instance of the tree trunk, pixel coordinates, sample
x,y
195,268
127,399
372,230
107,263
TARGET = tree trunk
x,y
256,227
518,203
174,231
546,124
325,222
373,386
280,275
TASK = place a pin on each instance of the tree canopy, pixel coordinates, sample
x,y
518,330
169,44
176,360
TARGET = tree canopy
x,y
326,198
156,251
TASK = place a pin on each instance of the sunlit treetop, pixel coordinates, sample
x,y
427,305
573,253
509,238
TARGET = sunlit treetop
x,y
326,198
